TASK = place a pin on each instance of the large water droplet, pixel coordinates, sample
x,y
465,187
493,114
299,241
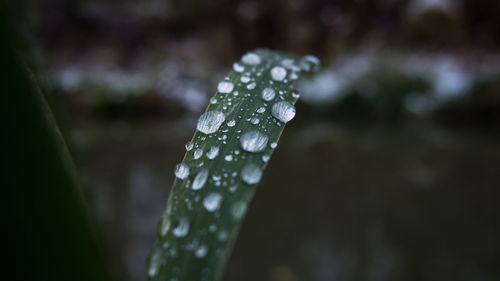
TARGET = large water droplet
x,y
200,179
225,87
209,122
182,171
278,73
268,94
213,152
283,111
251,59
251,173
182,227
253,141
212,201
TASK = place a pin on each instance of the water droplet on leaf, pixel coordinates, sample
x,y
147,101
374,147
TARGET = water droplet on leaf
x,y
251,173
200,179
225,87
212,201
181,171
283,111
209,122
253,141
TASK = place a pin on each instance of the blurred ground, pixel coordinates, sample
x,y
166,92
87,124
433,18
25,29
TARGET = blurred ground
x,y
389,172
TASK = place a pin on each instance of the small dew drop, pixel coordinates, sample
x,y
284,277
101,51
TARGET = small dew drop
x,y
251,59
228,158
265,158
212,201
182,227
278,73
251,86
261,109
197,153
213,152
238,67
225,87
189,146
283,111
231,123
295,94
210,121
251,173
181,171
273,145
238,210
154,263
254,121
268,94
253,141
245,79
200,179
201,252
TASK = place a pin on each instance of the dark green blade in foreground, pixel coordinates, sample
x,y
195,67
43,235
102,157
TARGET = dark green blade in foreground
x,y
224,162
46,230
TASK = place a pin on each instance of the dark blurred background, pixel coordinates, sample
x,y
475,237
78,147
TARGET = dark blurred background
x,y
390,171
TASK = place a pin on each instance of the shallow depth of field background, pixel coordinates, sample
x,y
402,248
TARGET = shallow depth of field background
x,y
390,170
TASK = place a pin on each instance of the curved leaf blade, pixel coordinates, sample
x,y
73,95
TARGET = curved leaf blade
x,y
217,178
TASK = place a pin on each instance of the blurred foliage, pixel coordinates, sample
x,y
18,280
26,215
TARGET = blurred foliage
x,y
378,97
47,228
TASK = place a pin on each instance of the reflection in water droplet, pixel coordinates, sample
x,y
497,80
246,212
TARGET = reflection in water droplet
x,y
268,94
182,171
251,173
209,122
278,73
251,59
213,152
200,179
225,87
283,111
253,141
212,201
182,227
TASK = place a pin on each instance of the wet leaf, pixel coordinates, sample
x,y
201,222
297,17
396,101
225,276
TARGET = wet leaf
x,y
224,162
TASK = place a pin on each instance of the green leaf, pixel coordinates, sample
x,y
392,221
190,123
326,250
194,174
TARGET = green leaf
x,y
224,162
